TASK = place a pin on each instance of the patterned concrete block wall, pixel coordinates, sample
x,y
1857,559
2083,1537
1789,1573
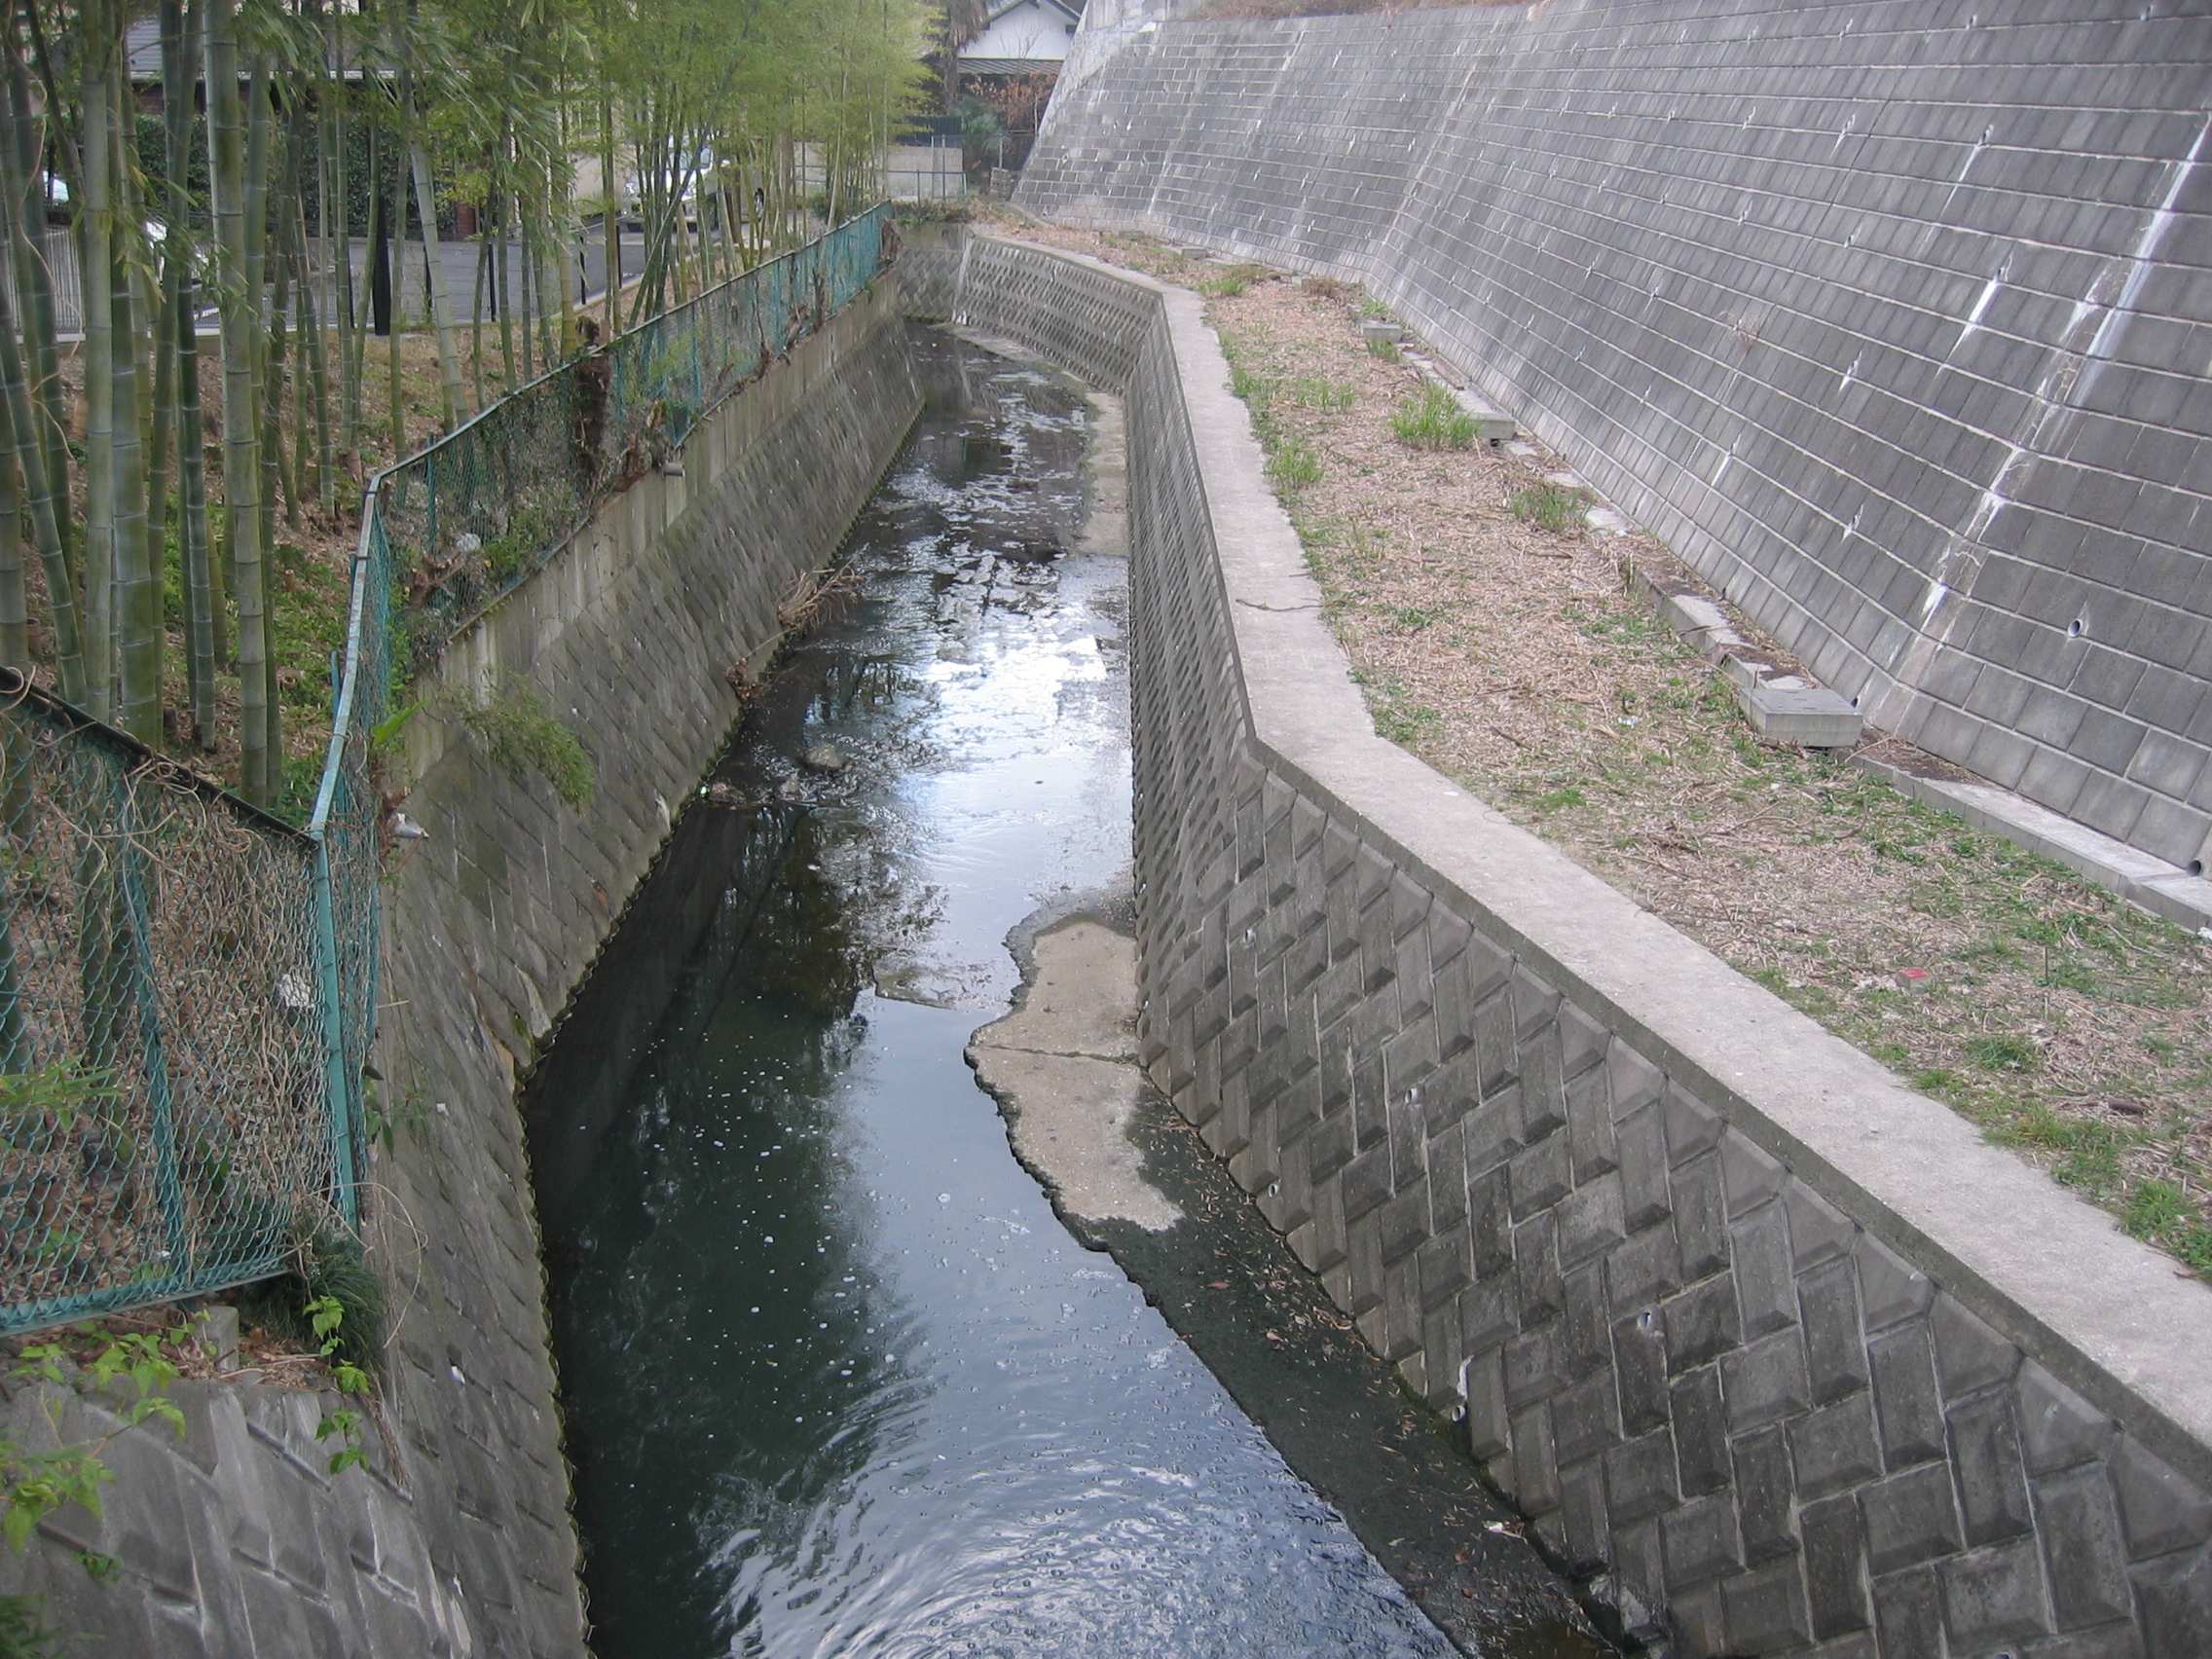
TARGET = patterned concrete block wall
x,y
1891,316
1781,1351
235,1544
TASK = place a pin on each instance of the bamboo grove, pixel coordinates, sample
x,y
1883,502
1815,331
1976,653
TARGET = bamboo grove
x,y
223,221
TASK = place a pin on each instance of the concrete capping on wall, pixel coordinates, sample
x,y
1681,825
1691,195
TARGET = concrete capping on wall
x,y
1881,312
235,1541
1766,1339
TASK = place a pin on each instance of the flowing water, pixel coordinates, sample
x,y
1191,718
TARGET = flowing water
x,y
836,1380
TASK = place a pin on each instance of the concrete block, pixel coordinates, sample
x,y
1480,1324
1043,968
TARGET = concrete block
x,y
1693,1129
1766,1292
1766,1494
1589,1220
1640,1366
1535,1468
1994,1596
1540,1175
1700,1425
1491,426
1640,1476
1539,1283
1700,1231
1907,1396
1584,1520
2163,1511
1586,1418
2059,1429
1891,1289
1768,1611
1810,716
1985,1462
1834,1448
1834,1547
1909,1615
1765,1381
1700,1323
1643,1271
1836,1347
1487,1429
2085,1552
1910,1519
2174,1596
1700,1541
1752,1176
1970,1354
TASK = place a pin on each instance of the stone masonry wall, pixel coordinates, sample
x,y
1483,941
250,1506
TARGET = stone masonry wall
x,y
1782,1352
235,1544
1891,316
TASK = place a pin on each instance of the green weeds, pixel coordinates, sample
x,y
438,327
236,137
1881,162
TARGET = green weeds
x,y
524,739
1554,507
1295,464
1432,420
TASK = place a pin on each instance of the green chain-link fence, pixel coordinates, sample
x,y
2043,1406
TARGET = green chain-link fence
x,y
475,513
165,1123
188,986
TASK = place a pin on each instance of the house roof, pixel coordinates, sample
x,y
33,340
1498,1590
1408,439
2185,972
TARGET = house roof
x,y
1072,12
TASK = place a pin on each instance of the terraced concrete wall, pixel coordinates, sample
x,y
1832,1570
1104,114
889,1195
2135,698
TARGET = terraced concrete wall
x,y
1781,1351
235,1542
1892,316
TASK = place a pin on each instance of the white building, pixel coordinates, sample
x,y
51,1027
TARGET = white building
x,y
1022,37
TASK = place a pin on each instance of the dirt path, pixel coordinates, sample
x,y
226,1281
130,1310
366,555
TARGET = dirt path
x,y
1512,657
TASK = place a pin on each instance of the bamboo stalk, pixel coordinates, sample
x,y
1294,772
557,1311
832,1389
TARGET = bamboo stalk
x,y
433,268
202,597
137,616
319,380
239,304
181,51
14,600
96,275
34,282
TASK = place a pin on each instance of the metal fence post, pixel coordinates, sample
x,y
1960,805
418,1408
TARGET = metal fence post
x,y
339,1079
160,1105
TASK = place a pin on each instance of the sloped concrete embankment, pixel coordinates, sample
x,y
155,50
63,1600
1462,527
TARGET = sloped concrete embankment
x,y
235,1542
1887,314
1780,1348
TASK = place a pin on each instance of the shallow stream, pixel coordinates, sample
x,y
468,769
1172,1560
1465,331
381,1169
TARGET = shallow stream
x,y
837,1379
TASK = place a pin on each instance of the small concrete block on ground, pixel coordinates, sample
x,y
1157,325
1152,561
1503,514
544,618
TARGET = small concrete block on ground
x,y
1491,426
1809,714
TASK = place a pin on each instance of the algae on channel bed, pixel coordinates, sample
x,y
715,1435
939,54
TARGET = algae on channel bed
x,y
1510,656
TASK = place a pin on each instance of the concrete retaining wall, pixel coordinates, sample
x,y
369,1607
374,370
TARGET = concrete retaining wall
x,y
1891,316
1783,1351
235,1544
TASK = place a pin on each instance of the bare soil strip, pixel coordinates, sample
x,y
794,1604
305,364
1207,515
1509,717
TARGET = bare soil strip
x,y
1495,638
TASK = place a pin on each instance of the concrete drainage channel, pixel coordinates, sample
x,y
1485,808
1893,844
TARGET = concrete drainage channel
x,y
755,1113
1737,1320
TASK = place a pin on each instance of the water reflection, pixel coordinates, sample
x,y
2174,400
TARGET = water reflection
x,y
836,1380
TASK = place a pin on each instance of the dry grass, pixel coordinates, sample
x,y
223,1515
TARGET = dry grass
x,y
1511,657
